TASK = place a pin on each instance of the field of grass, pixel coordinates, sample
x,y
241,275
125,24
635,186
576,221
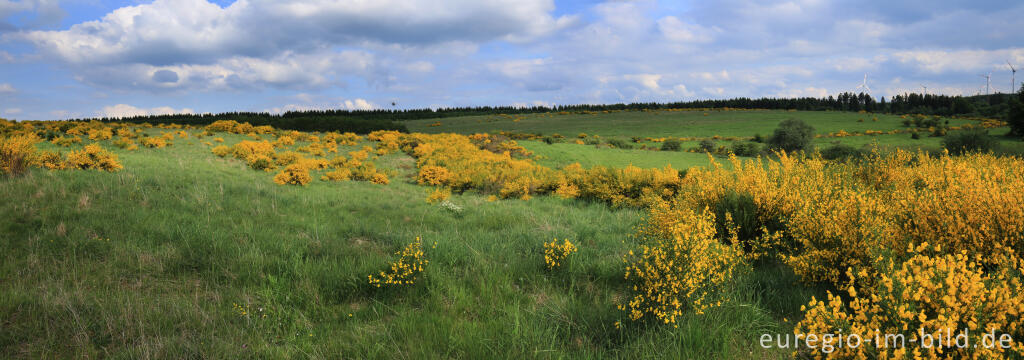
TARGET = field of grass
x,y
184,254
161,260
657,124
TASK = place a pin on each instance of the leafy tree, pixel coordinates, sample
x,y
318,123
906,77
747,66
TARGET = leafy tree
x,y
970,141
1016,114
792,135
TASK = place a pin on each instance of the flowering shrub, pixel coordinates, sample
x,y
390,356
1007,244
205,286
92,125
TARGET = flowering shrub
x,y
51,160
221,150
433,175
100,134
410,264
17,154
66,141
680,265
260,162
337,175
293,175
153,142
439,194
380,179
555,254
93,157
927,297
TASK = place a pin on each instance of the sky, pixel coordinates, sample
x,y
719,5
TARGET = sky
x,y
64,59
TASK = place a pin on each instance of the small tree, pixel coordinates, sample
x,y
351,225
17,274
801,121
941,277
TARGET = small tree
x,y
671,145
969,141
792,135
1015,117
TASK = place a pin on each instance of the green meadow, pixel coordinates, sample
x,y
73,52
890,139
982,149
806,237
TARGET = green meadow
x,y
187,255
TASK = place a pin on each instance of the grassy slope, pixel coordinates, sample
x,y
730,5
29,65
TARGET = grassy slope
x,y
743,123
655,124
148,262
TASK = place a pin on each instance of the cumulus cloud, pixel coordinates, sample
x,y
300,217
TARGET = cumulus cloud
x,y
350,104
125,110
41,12
679,31
7,89
165,32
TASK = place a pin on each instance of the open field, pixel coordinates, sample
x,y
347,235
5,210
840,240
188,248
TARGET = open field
x,y
187,254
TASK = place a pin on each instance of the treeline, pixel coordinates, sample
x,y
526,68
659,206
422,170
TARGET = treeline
x,y
364,121
340,121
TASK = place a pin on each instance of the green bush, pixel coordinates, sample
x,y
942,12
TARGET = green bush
x,y
671,145
746,149
1015,116
706,146
841,152
620,144
970,141
915,135
792,135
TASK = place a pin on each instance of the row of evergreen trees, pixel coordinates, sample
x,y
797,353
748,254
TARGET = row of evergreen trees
x,y
363,121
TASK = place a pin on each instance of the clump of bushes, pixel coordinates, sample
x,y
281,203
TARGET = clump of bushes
x,y
16,154
93,157
746,149
975,140
792,135
619,144
840,152
671,145
706,145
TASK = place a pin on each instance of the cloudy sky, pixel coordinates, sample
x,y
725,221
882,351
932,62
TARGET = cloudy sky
x,y
85,58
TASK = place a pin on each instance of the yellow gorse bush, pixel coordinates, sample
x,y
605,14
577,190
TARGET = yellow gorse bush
x,y
929,296
293,175
680,265
556,254
17,153
405,271
93,157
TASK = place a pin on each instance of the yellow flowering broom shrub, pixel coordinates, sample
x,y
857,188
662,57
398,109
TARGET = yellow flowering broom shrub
x,y
93,157
100,134
932,305
153,142
680,265
405,271
556,254
66,141
17,153
438,195
221,150
293,175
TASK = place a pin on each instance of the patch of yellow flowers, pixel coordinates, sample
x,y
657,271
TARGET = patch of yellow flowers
x,y
680,265
555,254
405,271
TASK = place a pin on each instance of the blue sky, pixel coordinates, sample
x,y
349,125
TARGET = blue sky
x,y
85,58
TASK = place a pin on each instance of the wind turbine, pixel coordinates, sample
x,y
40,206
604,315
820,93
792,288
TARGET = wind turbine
x,y
1013,77
988,82
925,89
864,84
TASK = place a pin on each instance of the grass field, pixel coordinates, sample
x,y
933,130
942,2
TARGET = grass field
x,y
184,254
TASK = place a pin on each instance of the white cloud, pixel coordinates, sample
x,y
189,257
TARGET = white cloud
x,y
197,31
351,104
940,61
809,91
357,104
649,81
677,30
7,89
125,110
